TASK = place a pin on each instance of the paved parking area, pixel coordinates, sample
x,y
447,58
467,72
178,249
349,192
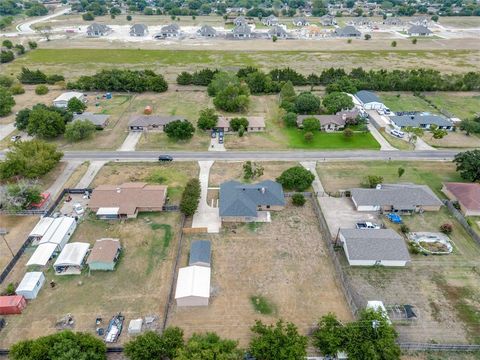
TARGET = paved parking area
x,y
67,207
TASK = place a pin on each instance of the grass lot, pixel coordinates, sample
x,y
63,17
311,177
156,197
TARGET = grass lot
x,y
402,101
460,104
138,287
396,142
323,140
453,140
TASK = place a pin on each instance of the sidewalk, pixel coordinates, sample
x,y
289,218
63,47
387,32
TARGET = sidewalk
x,y
57,186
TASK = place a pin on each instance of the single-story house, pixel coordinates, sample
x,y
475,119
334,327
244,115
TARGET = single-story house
x,y
239,20
396,197
104,254
421,120
70,260
242,31
369,247
300,21
151,122
30,285
207,31
97,30
330,123
127,200
193,286
99,120
419,30
168,31
139,30
12,304
328,20
270,20
250,202
255,123
41,228
200,253
347,31
393,21
466,194
278,31
62,100
369,100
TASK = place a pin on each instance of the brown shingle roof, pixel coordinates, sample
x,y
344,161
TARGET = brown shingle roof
x,y
104,250
467,194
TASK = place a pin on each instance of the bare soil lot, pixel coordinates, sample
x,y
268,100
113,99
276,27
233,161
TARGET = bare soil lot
x,y
293,272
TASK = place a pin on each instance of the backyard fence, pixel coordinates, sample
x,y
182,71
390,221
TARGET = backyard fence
x,y
438,347
461,219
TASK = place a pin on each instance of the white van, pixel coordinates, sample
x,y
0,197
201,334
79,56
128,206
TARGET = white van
x,y
397,133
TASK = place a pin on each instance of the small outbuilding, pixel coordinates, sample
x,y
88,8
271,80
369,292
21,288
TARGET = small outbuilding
x,y
200,253
12,304
104,254
62,100
42,254
369,100
135,326
41,228
70,260
193,286
30,285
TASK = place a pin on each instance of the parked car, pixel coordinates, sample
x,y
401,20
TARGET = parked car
x,y
78,208
220,137
380,112
165,158
387,111
397,133
214,134
15,138
367,225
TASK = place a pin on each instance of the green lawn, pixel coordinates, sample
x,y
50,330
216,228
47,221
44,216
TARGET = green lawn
x,y
400,101
323,140
461,105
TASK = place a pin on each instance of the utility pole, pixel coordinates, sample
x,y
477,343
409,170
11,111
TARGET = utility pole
x,y
4,232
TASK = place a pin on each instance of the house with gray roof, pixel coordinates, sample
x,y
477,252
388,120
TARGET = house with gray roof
x,y
370,247
242,32
270,20
419,30
369,100
240,20
278,31
405,197
250,202
300,21
207,31
347,31
422,121
151,122
330,123
393,21
328,20
139,30
98,30
168,31
200,253
99,120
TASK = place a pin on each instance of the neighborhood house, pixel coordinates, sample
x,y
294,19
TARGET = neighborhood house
x,y
104,254
421,120
255,123
331,122
62,100
466,194
97,30
99,120
419,30
70,260
151,122
193,286
139,30
207,31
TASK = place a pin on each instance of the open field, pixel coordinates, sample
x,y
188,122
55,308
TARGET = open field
x,y
453,140
464,105
295,276
404,101
324,140
175,176
138,287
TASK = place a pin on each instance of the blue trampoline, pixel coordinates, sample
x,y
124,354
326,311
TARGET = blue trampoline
x,y
395,218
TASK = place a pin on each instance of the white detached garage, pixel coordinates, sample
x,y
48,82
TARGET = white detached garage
x,y
31,284
193,286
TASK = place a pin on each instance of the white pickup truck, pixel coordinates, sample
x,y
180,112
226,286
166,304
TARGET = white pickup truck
x,y
367,225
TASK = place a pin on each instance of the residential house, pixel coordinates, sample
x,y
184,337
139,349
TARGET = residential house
x,y
466,194
419,30
98,30
151,122
278,31
370,247
168,31
200,253
127,200
421,120
396,198
250,202
104,254
255,123
369,100
347,31
330,123
300,21
139,30
62,100
207,31
240,20
99,120
242,31
393,21
328,20
270,20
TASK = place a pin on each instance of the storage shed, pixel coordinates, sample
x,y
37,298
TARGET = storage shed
x,y
42,254
200,253
70,260
31,284
135,326
41,228
13,304
104,254
193,286
59,232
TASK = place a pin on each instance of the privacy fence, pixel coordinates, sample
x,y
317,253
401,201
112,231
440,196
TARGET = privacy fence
x,y
461,219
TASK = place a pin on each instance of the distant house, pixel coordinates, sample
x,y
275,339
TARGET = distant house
x,y
393,21
419,30
250,202
347,31
104,254
300,21
369,247
139,30
200,253
99,120
127,200
270,20
151,122
98,30
240,20
330,123
466,194
369,100
255,123
278,31
70,260
193,286
168,31
62,100
207,31
328,20
422,121
396,197
242,31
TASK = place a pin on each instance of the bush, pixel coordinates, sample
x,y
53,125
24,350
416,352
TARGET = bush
x,y
404,229
7,43
413,248
21,120
9,290
6,56
76,105
180,130
184,78
32,45
79,130
190,197
371,181
237,123
17,89
41,90
311,124
298,199
152,345
296,178
308,136
290,119
394,44
6,81
446,228
52,79
307,103
88,16
348,133
28,76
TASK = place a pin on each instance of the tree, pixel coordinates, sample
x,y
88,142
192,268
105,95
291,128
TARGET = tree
x,y
20,49
348,133
184,78
6,101
7,43
414,41
394,44
287,93
308,136
329,335
252,170
6,81
88,16
470,126
45,123
180,130
32,45
233,98
28,76
208,119
368,36
274,38
400,171
17,89
307,103
41,89
371,181
435,18
79,130
190,197
76,105
6,56
129,17
296,178
209,346
413,133
152,345
337,101
446,228
21,120
21,195
468,164
220,81
311,124
438,133
60,346
238,122
298,199
277,342
290,119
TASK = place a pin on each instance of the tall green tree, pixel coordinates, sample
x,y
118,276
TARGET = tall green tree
x,y
180,130
79,130
329,336
337,101
296,178
287,93
6,101
45,123
468,165
209,346
190,197
152,345
233,98
76,105
307,103
311,124
208,119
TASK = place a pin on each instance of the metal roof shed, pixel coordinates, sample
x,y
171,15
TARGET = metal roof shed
x,y
41,228
31,284
193,286
200,253
61,233
70,260
42,254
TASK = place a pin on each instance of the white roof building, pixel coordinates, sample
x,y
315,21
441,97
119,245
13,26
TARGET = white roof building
x,y
41,228
70,260
59,231
31,284
62,100
42,254
193,286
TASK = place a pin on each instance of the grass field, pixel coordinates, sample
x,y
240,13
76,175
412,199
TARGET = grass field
x,y
461,105
402,101
323,140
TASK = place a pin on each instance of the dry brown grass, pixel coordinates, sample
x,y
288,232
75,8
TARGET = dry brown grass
x,y
453,140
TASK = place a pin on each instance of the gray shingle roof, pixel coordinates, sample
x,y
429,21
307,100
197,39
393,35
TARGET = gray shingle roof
x,y
170,28
278,30
147,120
348,31
419,29
98,28
400,196
242,29
96,119
207,30
367,97
138,29
420,119
200,252
371,244
237,199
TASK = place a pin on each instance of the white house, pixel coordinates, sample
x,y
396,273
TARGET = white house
x,y
193,286
369,100
62,100
30,285
70,260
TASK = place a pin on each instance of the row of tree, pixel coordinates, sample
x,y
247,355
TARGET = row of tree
x,y
33,77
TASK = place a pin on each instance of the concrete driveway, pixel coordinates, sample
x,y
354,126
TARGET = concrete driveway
x,y
130,141
92,171
215,145
420,144
384,144
317,184
6,130
206,216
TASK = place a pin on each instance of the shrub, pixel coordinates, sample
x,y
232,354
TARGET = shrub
x,y
190,197
311,124
184,78
17,89
308,136
7,43
404,229
52,79
28,76
10,289
208,119
368,36
414,41
76,105
6,81
262,305
296,178
41,89
6,56
290,119
446,228
7,102
88,16
394,44
32,45
298,199
371,181
79,130
348,133
413,248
